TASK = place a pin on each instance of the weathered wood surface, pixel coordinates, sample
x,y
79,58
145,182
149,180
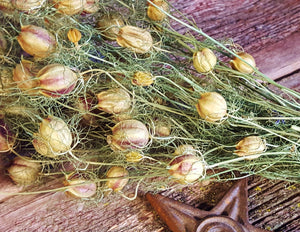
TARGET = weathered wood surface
x,y
265,28
268,29
272,205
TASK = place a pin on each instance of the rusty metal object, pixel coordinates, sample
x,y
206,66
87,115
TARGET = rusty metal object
x,y
229,215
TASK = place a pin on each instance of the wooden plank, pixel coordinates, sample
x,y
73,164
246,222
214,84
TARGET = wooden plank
x,y
272,204
286,55
262,28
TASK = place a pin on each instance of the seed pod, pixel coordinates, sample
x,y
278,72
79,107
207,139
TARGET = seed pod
x,y
91,6
6,6
142,78
109,25
184,149
79,186
24,171
74,36
161,127
187,168
53,135
211,106
114,101
7,138
56,80
137,39
204,60
119,180
133,157
128,134
42,146
69,7
162,130
241,66
24,76
3,43
156,14
250,145
28,6
36,41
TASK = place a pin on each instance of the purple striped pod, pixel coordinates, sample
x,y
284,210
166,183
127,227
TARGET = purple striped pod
x,y
7,138
187,168
24,74
56,80
119,180
128,134
36,41
28,6
79,185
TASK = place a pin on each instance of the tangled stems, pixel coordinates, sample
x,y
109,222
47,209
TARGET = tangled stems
x,y
170,100
263,76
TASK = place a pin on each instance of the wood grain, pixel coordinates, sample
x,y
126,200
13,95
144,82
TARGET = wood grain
x,y
269,30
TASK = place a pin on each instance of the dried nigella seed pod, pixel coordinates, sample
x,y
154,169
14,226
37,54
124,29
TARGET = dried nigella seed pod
x,y
28,6
250,145
36,41
24,171
69,7
211,106
42,146
7,138
162,130
54,137
91,6
24,76
114,101
240,65
80,186
56,80
109,25
6,6
128,134
142,78
156,14
137,39
161,127
204,60
187,168
119,180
